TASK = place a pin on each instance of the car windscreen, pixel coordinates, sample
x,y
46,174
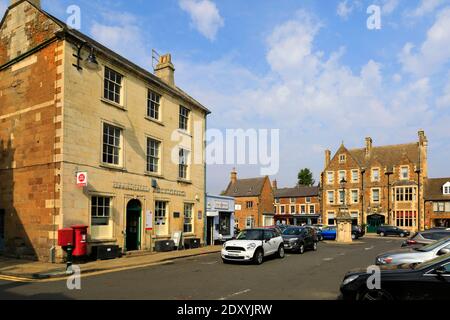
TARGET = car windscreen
x,y
250,235
433,245
292,231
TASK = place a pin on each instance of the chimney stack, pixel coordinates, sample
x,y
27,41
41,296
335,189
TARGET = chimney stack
x,y
165,69
369,143
274,184
327,158
37,3
422,138
233,176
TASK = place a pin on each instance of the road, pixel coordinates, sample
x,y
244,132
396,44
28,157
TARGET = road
x,y
314,275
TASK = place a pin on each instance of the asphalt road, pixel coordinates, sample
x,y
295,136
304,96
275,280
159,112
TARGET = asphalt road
x,y
314,275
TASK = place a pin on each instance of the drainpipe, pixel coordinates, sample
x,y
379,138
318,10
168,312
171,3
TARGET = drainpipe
x,y
205,217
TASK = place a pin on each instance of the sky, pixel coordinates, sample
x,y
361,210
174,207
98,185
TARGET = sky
x,y
310,68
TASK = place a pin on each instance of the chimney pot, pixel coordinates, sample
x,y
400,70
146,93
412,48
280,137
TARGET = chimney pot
x,y
165,69
369,143
327,158
233,176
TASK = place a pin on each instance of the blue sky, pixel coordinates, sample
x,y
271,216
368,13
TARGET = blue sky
x,y
310,68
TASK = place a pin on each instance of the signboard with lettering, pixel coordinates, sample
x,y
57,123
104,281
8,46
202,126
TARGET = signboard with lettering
x,y
82,179
148,220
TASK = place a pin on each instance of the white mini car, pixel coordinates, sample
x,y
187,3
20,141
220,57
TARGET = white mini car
x,y
252,245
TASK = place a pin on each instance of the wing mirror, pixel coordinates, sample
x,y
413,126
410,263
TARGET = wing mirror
x,y
443,252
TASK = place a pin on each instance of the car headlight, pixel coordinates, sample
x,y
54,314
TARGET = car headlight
x,y
251,246
350,279
224,245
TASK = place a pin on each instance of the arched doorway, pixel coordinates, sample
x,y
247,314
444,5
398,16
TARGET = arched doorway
x,y
374,221
133,230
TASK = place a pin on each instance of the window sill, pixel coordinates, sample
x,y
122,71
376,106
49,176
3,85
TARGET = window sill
x,y
184,181
112,167
190,234
154,175
155,121
184,132
114,104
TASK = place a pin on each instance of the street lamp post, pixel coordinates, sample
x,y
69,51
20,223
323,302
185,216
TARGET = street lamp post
x,y
418,171
388,173
363,171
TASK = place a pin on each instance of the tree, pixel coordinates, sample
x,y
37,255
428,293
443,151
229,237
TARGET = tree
x,y
305,178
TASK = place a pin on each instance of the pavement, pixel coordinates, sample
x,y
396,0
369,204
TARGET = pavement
x,y
315,275
14,269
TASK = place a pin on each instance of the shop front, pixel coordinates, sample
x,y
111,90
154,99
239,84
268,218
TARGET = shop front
x,y
297,220
220,219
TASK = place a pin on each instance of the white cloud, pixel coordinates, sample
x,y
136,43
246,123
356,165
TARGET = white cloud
x,y
313,97
3,7
205,16
426,7
120,33
344,9
443,101
434,51
389,6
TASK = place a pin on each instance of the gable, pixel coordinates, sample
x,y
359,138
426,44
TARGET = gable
x,y
23,28
335,163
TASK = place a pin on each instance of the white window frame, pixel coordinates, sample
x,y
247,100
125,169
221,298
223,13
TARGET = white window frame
x,y
342,158
407,173
330,174
357,195
313,207
328,197
161,221
357,175
188,217
303,209
120,147
372,193
121,103
158,156
373,179
342,174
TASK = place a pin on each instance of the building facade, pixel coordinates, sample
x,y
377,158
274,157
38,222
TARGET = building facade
x,y
297,206
382,185
254,201
220,219
69,105
437,203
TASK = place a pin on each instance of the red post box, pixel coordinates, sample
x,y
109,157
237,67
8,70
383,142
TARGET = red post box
x,y
80,249
66,237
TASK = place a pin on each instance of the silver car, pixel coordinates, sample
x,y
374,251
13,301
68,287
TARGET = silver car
x,y
415,255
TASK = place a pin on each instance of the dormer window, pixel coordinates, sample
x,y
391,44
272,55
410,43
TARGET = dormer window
x,y
342,158
446,188
404,173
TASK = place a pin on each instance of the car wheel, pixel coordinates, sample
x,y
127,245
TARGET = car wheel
x,y
315,246
402,235
301,248
225,261
258,257
281,252
373,295
353,237
382,234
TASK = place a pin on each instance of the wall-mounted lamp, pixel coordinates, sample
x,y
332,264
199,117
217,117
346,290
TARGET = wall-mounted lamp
x,y
90,62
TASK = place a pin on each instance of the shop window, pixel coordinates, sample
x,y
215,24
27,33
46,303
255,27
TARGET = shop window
x,y
188,218
101,217
161,223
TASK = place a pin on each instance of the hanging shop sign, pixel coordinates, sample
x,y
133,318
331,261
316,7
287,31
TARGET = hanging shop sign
x,y
82,179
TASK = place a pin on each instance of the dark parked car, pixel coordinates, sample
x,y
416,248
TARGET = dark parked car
x,y
426,281
298,239
423,238
357,232
392,231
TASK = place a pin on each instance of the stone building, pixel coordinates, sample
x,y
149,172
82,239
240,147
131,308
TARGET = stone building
x,y
253,201
383,185
297,205
68,105
437,203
